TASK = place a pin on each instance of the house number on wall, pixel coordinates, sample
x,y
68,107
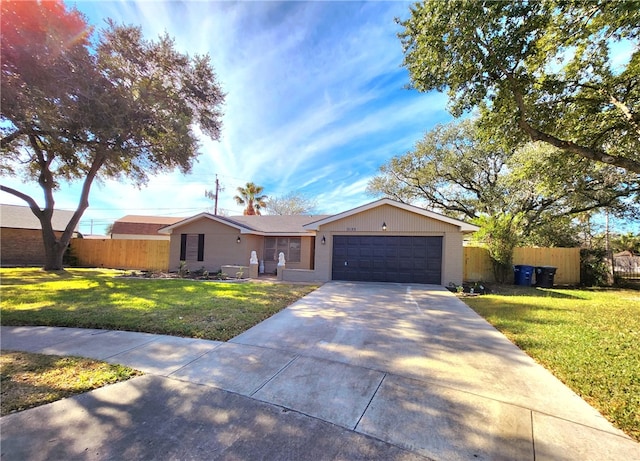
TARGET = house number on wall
x,y
351,229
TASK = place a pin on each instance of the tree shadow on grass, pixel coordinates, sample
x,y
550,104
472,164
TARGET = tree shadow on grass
x,y
31,275
172,306
31,379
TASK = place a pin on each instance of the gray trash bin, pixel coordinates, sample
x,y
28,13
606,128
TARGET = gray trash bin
x,y
545,276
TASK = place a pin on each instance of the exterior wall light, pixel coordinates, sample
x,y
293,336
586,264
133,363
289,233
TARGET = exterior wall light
x,y
384,226
238,239
324,240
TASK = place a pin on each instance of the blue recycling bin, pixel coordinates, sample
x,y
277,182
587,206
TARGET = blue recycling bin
x,y
523,275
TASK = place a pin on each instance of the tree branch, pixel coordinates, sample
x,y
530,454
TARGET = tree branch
x,y
45,179
83,203
569,146
620,105
31,202
10,138
626,111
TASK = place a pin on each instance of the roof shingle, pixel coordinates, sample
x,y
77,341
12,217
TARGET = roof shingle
x,y
21,217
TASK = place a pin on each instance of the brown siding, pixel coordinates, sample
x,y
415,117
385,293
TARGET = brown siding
x,y
221,247
136,228
398,222
452,258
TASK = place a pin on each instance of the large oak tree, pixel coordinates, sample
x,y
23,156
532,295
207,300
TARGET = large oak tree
x,y
527,194
544,70
73,109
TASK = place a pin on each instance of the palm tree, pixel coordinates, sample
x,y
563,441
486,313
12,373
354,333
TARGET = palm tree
x,y
250,196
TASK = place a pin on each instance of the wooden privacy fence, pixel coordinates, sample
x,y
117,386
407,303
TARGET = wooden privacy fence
x,y
477,264
154,255
122,254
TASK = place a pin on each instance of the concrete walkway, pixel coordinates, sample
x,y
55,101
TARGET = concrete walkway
x,y
351,371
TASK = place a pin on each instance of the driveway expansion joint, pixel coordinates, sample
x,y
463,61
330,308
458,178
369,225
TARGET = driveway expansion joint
x,y
355,428
287,365
194,360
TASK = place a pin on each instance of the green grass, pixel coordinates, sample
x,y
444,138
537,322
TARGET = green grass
x,y
590,339
30,380
90,298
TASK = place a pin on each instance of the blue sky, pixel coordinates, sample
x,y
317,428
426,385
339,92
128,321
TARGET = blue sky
x,y
316,102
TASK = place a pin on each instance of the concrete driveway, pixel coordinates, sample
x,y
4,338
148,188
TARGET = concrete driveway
x,y
351,371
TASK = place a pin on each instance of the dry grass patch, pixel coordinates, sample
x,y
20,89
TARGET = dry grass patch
x,y
30,380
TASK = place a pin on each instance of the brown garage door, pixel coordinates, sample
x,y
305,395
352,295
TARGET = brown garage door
x,y
387,259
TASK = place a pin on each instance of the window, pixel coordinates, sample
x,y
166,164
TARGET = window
x,y
192,247
290,246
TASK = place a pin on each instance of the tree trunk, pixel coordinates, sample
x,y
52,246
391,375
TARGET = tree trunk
x,y
54,251
55,247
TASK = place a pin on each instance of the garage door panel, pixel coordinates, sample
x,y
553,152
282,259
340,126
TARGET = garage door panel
x,y
418,242
379,264
400,259
407,265
365,264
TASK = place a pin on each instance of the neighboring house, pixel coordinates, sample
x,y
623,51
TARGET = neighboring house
x,y
21,235
132,227
626,264
383,241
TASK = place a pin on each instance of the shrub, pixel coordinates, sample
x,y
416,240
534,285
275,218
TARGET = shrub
x,y
595,271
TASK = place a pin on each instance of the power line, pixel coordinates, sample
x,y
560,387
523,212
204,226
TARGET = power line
x,y
143,208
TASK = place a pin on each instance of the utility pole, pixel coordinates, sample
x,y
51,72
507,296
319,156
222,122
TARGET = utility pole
x,y
215,209
214,196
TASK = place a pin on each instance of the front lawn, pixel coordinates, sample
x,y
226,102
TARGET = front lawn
x,y
93,298
589,339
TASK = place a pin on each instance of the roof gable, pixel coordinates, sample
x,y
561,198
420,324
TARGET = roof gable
x,y
305,225
463,226
139,219
276,223
142,225
254,224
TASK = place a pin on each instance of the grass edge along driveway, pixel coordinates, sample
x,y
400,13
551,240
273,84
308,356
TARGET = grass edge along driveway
x,y
589,339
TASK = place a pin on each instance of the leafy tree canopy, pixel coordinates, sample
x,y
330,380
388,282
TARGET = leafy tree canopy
x,y
122,107
626,242
292,203
545,70
459,172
